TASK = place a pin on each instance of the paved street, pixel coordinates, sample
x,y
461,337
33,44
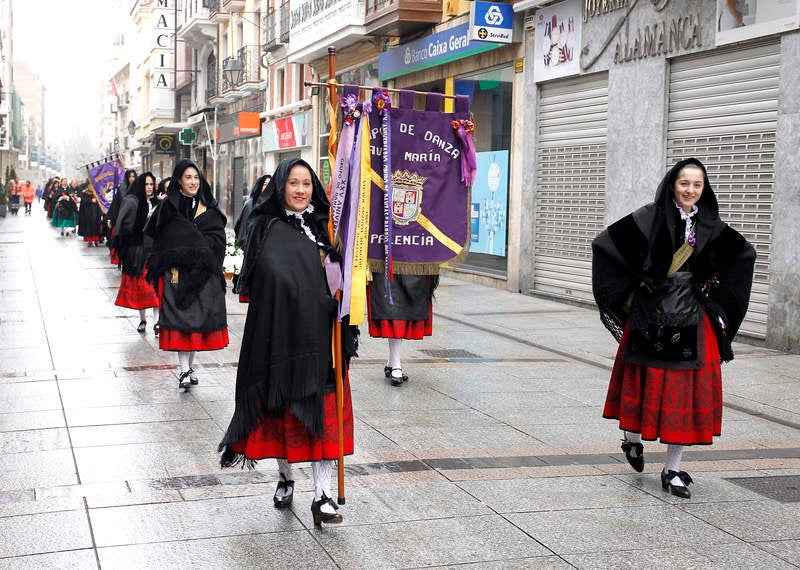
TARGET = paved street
x,y
493,455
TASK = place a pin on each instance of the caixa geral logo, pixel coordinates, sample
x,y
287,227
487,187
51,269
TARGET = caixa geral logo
x,y
493,16
407,57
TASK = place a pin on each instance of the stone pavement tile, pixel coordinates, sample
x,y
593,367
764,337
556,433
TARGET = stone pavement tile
x,y
117,392
37,468
279,551
20,359
32,420
759,520
557,493
138,524
138,496
44,532
29,397
537,562
455,419
427,543
64,560
187,409
520,472
614,529
221,411
519,416
379,395
32,505
491,402
142,433
717,557
227,491
566,435
147,460
768,464
467,437
788,550
33,440
758,429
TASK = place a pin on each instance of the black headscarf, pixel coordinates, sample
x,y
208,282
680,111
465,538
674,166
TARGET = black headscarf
x,y
638,249
240,227
270,204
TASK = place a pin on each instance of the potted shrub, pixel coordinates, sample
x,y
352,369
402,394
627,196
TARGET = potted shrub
x,y
3,200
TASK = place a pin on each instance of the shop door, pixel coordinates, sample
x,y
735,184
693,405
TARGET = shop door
x,y
239,188
723,109
570,184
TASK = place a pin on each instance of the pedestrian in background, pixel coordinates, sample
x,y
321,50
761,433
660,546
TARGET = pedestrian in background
x,y
672,283
285,388
132,248
185,265
28,192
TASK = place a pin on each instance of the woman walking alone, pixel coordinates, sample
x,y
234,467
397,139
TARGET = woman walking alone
x,y
672,282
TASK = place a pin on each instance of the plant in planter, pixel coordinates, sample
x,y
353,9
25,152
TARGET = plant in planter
x,y
234,256
3,199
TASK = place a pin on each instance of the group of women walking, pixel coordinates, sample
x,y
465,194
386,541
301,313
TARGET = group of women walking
x,y
671,281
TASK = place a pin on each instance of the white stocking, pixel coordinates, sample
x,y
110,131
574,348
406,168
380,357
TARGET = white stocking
x,y
394,355
674,455
155,314
322,482
191,358
142,314
183,360
285,469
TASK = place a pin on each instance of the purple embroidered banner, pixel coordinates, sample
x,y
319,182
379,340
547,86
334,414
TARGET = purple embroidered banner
x,y
104,175
430,200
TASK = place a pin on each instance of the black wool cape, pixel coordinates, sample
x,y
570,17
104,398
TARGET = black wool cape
x,y
635,253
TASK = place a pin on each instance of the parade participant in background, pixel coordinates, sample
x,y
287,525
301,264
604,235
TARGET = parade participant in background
x,y
188,231
672,283
113,211
409,316
50,197
163,186
89,216
65,211
240,227
133,247
28,193
285,389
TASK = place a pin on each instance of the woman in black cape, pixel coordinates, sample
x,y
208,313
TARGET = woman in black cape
x,y
185,265
132,248
285,388
672,283
89,216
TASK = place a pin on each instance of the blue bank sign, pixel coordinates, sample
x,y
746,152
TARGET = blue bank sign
x,y
491,22
437,49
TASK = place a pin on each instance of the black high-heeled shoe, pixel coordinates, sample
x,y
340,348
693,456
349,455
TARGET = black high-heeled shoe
x,y
636,461
156,329
192,378
321,517
387,371
142,326
681,491
397,380
184,381
288,486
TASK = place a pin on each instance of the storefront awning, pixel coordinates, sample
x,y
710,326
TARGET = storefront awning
x,y
179,126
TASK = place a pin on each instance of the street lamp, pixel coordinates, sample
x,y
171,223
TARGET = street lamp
x,y
131,128
233,70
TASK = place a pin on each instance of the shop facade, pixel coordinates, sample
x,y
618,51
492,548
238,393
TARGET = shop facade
x,y
619,91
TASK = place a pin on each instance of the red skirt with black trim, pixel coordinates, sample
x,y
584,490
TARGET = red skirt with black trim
x,y
682,407
136,293
287,438
185,342
91,239
409,330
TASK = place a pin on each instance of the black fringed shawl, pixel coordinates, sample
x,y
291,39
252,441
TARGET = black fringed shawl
x,y
285,359
637,251
195,246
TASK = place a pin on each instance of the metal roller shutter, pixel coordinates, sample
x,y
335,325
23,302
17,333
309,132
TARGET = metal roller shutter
x,y
570,184
723,109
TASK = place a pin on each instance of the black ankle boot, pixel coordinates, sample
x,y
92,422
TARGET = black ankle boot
x,y
321,517
679,491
